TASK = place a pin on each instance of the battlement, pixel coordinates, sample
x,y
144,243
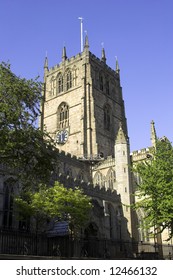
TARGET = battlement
x,y
67,154
99,61
88,187
54,68
108,162
66,62
78,57
140,154
100,191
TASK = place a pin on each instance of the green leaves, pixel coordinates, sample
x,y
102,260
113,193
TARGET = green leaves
x,y
27,151
155,192
30,154
19,99
60,203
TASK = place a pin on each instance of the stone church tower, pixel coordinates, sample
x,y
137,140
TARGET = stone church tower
x,y
84,112
83,104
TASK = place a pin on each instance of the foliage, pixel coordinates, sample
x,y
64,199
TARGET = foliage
x,y
155,192
64,204
25,149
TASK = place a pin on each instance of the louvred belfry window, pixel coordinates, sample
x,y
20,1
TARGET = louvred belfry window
x,y
63,114
107,117
53,86
69,79
60,83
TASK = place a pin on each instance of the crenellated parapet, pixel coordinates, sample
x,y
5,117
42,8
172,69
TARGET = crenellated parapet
x,y
66,63
72,172
89,188
78,58
106,163
100,63
140,155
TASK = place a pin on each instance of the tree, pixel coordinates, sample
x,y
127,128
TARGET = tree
x,y
57,202
25,150
155,191
29,154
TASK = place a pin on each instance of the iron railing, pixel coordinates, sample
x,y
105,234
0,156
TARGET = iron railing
x,y
14,242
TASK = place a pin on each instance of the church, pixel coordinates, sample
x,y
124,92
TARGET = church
x,y
84,111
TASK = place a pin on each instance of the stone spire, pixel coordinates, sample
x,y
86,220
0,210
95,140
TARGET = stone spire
x,y
103,58
117,69
64,56
153,134
46,64
86,45
46,68
121,137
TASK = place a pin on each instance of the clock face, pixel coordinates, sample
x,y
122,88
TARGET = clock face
x,y
62,136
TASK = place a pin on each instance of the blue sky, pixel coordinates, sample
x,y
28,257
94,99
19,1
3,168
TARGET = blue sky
x,y
138,32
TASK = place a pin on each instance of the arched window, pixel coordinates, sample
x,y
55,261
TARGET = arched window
x,y
75,76
80,176
63,115
111,178
138,179
69,172
8,202
101,81
107,117
53,86
59,83
68,80
142,229
99,179
107,88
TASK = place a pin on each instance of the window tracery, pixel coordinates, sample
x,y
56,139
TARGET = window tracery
x,y
111,179
75,76
53,86
99,179
60,83
68,79
63,115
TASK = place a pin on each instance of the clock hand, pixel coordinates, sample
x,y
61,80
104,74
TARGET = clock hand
x,y
61,137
